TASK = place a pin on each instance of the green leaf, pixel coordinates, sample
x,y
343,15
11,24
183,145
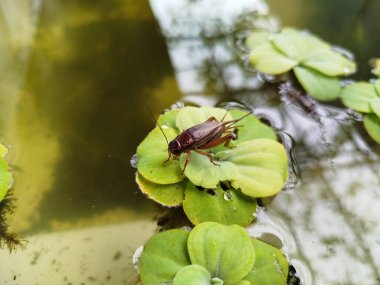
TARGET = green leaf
x,y
266,58
192,275
166,194
318,85
225,251
251,128
190,116
5,178
257,39
243,282
225,207
3,150
261,165
297,44
376,71
372,125
375,105
152,154
358,96
329,62
168,119
271,267
163,256
201,172
377,87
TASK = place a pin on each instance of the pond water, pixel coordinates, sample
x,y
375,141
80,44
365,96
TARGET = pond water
x,y
75,76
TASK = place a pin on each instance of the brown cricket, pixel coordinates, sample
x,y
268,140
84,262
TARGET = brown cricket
x,y
206,135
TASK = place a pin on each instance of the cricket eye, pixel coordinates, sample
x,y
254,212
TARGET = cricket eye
x,y
175,147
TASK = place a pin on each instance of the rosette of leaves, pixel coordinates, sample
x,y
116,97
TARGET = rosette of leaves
x,y
5,175
315,64
255,165
364,97
211,254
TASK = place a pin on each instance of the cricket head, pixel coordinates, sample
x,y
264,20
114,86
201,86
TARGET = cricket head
x,y
175,147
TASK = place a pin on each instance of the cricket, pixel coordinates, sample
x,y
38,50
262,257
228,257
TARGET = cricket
x,y
198,138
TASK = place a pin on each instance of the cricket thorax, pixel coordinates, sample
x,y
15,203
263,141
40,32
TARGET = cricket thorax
x,y
181,143
185,139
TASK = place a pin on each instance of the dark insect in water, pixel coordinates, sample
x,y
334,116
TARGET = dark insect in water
x,y
206,135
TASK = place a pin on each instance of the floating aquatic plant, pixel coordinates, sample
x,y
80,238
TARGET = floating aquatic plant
x,y
211,254
255,165
316,65
364,97
5,175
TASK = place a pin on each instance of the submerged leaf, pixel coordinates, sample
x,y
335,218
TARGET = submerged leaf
x,y
266,58
271,267
163,256
261,165
358,96
225,251
318,85
153,153
217,205
372,125
166,194
192,275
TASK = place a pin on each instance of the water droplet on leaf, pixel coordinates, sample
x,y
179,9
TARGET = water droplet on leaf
x,y
134,160
228,195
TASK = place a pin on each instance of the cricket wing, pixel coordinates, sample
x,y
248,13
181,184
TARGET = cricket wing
x,y
205,132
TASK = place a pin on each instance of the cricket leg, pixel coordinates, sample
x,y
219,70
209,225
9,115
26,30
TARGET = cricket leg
x,y
188,155
169,156
215,142
209,155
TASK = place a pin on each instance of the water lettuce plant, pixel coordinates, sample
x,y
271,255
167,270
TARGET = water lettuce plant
x,y
364,97
5,175
255,165
211,254
316,65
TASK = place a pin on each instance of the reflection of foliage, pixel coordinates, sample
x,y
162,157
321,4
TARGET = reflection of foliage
x,y
256,166
211,254
314,63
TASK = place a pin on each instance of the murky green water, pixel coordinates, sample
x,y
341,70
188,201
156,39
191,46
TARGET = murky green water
x,y
74,78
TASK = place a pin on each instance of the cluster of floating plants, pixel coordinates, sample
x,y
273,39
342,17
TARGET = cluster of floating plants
x,y
219,195
253,166
211,254
317,66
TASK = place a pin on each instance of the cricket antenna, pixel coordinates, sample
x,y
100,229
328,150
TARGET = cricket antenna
x,y
226,113
151,113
